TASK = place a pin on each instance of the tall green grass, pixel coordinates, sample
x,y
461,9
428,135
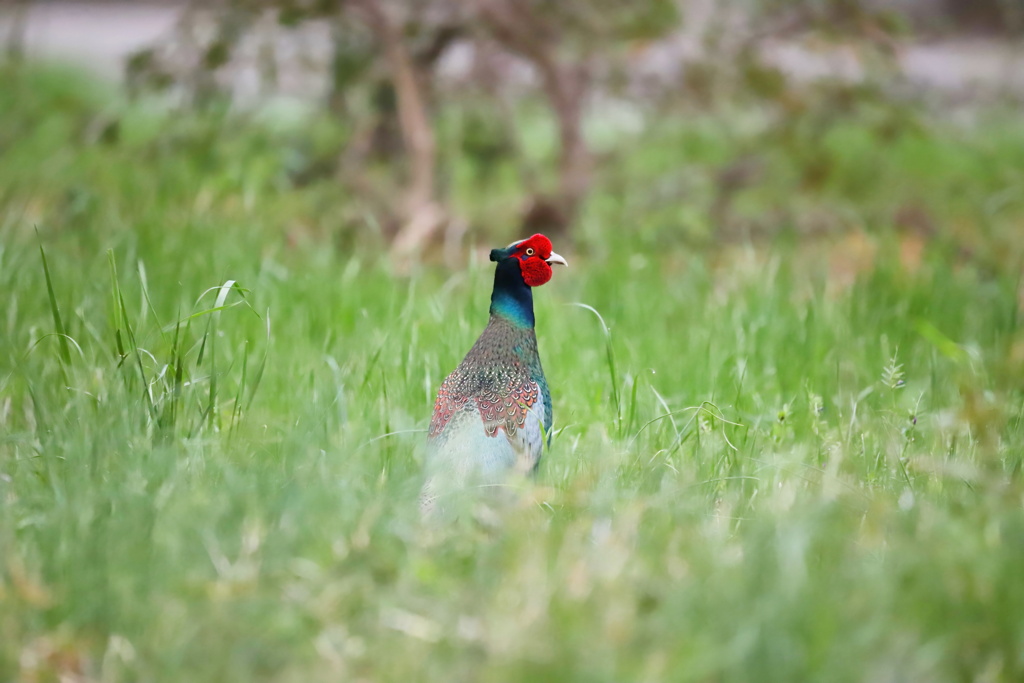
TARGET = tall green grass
x,y
210,417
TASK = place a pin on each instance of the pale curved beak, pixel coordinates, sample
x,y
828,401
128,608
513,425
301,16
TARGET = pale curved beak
x,y
555,258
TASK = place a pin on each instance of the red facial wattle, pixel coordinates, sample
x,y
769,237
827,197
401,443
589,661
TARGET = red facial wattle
x,y
536,270
535,257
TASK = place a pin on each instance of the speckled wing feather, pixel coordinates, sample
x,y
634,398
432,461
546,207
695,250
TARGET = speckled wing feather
x,y
504,408
500,383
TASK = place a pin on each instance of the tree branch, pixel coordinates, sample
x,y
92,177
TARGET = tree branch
x,y
514,25
414,121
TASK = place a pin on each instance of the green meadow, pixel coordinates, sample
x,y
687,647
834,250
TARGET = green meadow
x,y
789,424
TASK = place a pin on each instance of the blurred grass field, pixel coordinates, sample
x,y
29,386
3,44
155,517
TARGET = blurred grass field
x,y
792,455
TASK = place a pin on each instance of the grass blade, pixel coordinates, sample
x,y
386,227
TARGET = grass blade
x,y
58,322
610,360
258,375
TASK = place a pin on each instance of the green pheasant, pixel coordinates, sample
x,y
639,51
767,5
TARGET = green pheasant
x,y
493,410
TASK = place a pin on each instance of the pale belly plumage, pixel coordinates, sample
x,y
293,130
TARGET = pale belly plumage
x,y
471,451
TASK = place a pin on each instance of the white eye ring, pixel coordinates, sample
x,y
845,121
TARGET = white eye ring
x,y
529,251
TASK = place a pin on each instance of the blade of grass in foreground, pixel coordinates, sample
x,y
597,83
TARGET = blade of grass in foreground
x,y
58,322
121,320
613,374
258,376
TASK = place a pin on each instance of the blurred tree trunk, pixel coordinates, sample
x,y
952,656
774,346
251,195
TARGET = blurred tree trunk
x,y
421,215
15,39
515,25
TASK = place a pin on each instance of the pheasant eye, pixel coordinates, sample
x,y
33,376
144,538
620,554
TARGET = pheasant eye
x,y
529,251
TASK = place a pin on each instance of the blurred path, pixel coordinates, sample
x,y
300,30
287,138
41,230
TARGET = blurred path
x,y
101,35
950,65
98,36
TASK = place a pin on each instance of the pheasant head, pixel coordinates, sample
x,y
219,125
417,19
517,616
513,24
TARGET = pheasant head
x,y
533,256
522,266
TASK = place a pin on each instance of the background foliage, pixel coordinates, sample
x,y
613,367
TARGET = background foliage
x,y
788,447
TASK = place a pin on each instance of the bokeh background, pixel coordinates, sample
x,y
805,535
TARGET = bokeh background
x,y
542,101
242,243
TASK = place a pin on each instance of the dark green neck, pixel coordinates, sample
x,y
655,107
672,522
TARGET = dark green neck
x,y
511,298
